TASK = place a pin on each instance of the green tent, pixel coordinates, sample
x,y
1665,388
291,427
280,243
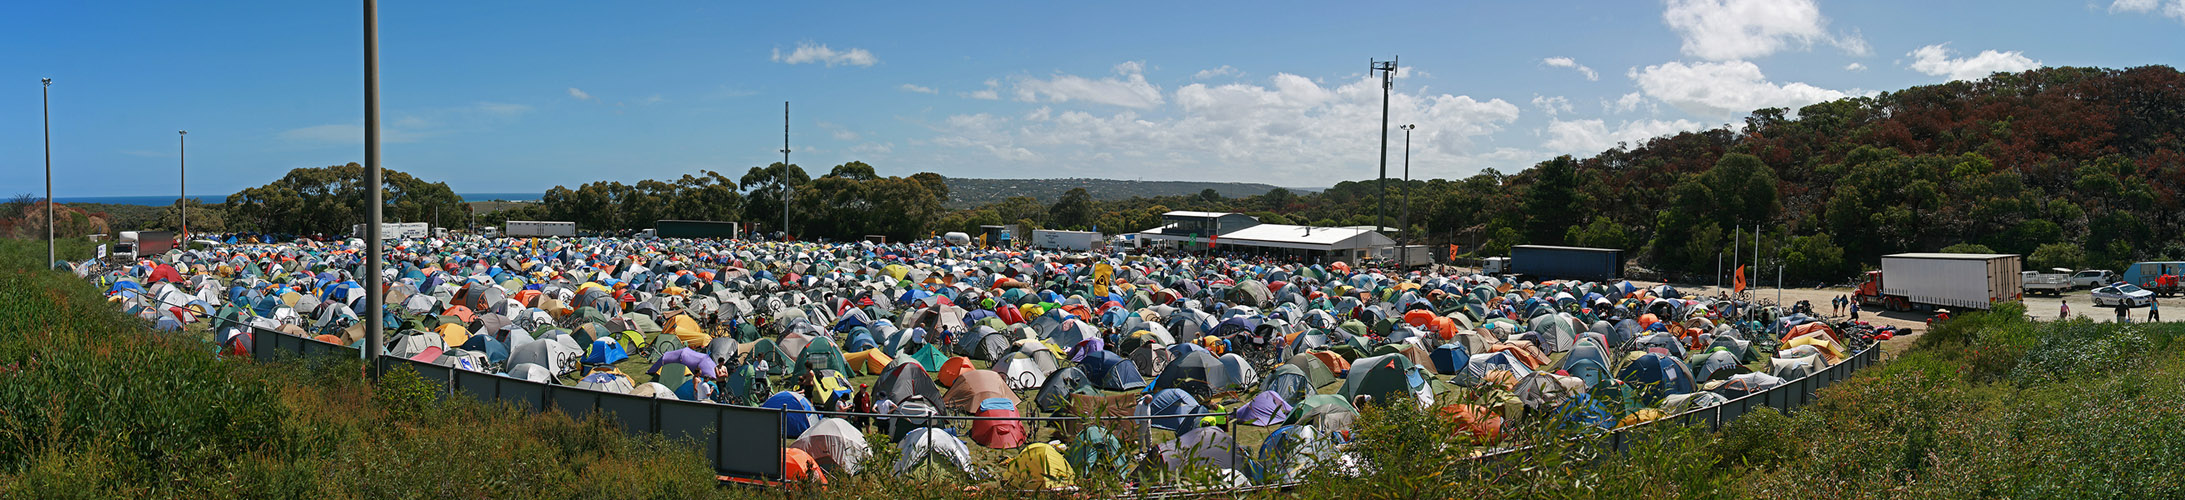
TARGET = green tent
x,y
1316,372
1385,378
930,357
821,352
777,360
1317,405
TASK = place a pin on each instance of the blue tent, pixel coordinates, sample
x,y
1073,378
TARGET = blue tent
x,y
1450,358
496,353
605,351
1174,402
1655,376
1112,372
792,424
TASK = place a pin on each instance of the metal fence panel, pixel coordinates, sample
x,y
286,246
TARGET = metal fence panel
x,y
745,448
530,395
634,413
695,422
578,403
483,386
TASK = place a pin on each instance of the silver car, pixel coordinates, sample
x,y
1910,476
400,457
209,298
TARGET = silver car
x,y
2122,294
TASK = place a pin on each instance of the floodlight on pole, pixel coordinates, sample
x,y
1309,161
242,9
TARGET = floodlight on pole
x,y
785,170
182,206
45,96
1405,219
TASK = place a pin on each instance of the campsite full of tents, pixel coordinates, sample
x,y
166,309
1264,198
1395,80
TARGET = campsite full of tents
x,y
1243,369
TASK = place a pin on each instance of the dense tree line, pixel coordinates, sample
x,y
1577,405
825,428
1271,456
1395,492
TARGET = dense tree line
x,y
2071,166
331,199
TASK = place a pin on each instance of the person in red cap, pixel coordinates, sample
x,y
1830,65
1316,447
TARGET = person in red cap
x,y
862,404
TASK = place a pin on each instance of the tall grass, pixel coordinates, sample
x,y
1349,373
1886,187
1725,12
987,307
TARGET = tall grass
x,y
93,403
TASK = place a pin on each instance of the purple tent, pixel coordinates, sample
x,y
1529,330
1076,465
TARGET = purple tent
x,y
1266,409
697,361
1088,346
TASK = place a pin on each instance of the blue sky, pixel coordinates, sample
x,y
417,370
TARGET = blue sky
x,y
522,96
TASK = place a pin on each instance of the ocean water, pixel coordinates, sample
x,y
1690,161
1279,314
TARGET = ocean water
x,y
221,198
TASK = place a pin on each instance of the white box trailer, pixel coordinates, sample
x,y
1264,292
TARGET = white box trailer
x,y
1963,280
396,230
1066,240
539,229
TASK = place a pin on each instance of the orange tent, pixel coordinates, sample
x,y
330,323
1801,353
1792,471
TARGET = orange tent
x,y
796,465
1334,361
953,368
1419,317
453,334
1484,426
1532,356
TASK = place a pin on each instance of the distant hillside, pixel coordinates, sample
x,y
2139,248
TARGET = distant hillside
x,y
968,193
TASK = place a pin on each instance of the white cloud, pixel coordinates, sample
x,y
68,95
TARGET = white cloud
x,y
1723,30
1565,62
807,53
1224,70
344,134
2167,8
579,94
992,91
1286,129
502,108
1725,90
840,132
1935,60
1128,88
1854,67
1551,105
1628,103
919,89
655,99
873,148
1586,137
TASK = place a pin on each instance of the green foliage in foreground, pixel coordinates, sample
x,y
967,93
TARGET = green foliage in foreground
x,y
94,404
1987,406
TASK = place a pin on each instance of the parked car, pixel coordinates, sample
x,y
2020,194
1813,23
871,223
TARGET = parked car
x,y
2123,295
2092,278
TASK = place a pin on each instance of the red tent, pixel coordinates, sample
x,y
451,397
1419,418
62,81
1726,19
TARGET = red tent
x,y
998,434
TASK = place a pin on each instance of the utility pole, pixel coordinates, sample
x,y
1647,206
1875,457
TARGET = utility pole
x,y
374,304
45,95
1405,219
1388,81
785,170
182,206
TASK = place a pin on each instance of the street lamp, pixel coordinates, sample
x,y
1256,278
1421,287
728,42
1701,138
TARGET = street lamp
x,y
45,95
1406,217
182,206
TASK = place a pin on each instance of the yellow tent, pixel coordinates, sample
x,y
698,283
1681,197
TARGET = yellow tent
x,y
453,334
868,362
686,330
896,271
1040,467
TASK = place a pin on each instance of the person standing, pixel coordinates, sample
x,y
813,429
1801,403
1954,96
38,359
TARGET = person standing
x,y
2154,311
1854,311
2064,312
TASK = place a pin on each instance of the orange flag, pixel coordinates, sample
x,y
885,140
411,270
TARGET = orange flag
x,y
1452,252
1738,286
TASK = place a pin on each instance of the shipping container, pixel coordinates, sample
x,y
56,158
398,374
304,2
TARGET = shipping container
x,y
539,229
1566,263
396,230
1066,240
694,229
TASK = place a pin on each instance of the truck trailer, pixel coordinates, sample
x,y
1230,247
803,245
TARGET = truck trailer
x,y
1909,281
396,230
694,229
1066,240
133,245
1566,263
539,229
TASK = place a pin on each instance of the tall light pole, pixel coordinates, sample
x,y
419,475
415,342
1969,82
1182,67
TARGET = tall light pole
x,y
374,305
785,170
45,95
1405,219
1388,80
182,206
